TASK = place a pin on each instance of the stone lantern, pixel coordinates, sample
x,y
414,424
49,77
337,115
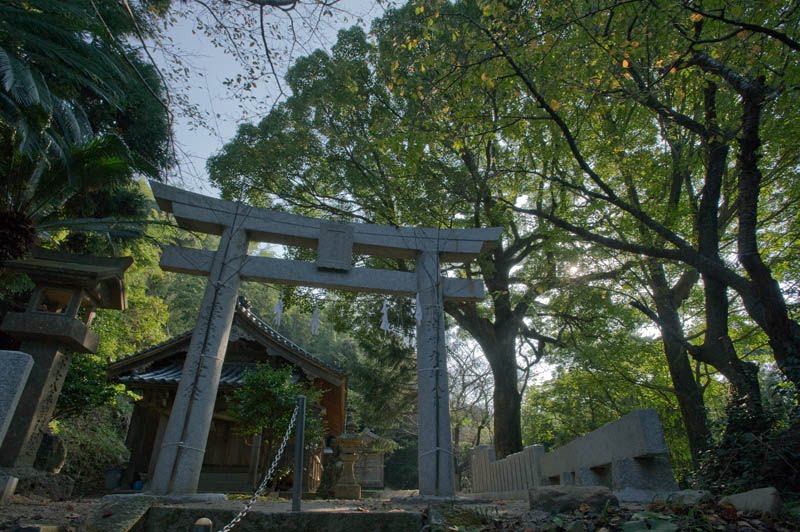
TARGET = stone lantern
x,y
55,324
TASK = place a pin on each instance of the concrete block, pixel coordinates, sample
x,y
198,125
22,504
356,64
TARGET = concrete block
x,y
636,434
641,479
628,456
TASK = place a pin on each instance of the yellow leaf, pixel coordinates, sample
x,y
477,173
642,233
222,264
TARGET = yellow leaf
x,y
625,63
696,17
554,104
420,10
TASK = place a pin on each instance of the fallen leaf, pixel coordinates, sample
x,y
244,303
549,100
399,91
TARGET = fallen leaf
x,y
727,511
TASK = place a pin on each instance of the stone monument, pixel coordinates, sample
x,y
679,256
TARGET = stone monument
x,y
180,460
16,368
54,325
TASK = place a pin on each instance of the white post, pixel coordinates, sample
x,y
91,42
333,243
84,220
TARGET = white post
x,y
435,455
180,461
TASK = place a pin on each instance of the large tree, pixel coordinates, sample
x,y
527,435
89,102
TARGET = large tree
x,y
673,124
353,143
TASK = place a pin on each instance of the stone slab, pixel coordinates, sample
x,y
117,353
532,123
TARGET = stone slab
x,y
684,497
121,513
561,499
762,500
16,368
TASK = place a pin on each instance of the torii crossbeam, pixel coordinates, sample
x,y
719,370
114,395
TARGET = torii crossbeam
x,y
180,458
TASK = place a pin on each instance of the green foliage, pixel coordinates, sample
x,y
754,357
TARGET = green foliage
x,y
742,460
121,334
80,114
400,468
264,403
94,441
87,388
655,521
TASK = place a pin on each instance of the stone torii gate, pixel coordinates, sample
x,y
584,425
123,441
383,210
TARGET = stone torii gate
x,y
180,459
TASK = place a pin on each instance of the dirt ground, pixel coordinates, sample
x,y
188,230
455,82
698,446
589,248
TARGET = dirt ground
x,y
465,516
32,510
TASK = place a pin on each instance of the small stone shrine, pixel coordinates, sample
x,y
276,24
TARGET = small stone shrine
x,y
55,324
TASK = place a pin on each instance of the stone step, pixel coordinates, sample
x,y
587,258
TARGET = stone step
x,y
162,518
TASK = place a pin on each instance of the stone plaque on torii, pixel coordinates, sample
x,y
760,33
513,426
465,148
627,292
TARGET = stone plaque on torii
x,y
181,456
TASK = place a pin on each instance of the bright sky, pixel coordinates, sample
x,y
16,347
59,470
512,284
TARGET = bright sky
x,y
210,66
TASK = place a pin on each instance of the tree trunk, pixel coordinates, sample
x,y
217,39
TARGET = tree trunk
x,y
688,392
767,304
507,399
498,340
690,398
745,408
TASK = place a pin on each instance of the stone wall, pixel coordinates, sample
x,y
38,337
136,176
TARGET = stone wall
x,y
629,456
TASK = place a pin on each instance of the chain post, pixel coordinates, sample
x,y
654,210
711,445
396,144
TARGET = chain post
x,y
261,487
299,443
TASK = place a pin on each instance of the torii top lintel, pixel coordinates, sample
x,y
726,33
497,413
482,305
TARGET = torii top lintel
x,y
211,215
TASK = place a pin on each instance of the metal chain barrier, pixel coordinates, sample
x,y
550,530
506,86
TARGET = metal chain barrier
x,y
249,504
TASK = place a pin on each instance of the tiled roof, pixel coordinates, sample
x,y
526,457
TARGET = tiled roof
x,y
171,374
245,311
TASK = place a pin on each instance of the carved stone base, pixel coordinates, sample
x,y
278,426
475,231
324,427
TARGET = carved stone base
x,y
7,486
347,491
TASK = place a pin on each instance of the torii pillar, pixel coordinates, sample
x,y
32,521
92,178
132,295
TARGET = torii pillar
x,y
180,460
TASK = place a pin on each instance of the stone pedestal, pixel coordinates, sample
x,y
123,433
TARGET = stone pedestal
x,y
348,486
36,405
